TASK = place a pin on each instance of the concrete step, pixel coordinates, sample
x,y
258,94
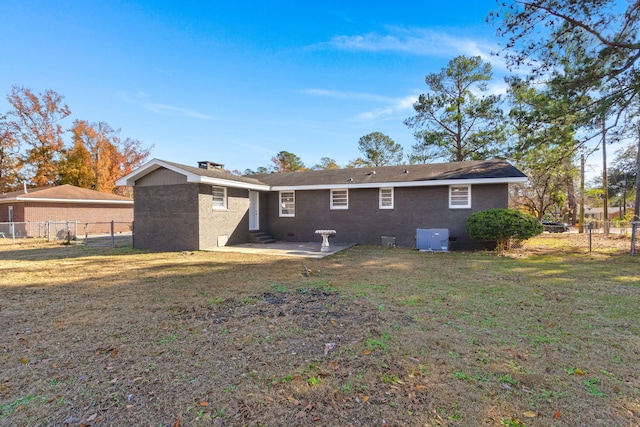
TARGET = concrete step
x,y
260,237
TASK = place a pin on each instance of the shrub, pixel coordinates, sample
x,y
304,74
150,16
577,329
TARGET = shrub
x,y
502,226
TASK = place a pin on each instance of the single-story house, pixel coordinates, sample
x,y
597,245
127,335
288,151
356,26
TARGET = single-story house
x,y
180,207
64,203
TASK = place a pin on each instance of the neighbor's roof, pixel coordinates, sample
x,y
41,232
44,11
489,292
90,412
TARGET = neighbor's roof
x,y
472,172
63,194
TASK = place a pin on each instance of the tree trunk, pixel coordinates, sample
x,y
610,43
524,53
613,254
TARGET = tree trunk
x,y
572,203
636,205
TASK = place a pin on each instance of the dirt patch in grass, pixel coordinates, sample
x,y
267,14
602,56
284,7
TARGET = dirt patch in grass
x,y
547,335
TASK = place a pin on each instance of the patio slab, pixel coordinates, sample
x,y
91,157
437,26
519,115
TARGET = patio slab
x,y
293,249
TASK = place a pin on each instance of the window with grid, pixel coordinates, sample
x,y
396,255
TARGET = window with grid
x,y
459,196
339,199
386,198
287,203
219,197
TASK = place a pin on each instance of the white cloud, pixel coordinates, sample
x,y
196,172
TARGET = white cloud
x,y
497,88
345,95
419,41
176,111
392,106
400,105
140,98
414,41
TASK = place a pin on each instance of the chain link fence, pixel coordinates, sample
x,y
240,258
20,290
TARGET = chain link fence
x,y
613,229
109,233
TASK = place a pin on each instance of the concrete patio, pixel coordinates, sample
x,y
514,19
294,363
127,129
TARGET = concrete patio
x,y
293,249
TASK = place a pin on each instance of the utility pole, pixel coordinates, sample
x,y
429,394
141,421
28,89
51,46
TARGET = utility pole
x,y
636,205
605,183
581,228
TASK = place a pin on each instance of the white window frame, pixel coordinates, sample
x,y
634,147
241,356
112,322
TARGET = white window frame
x,y
290,204
389,197
335,193
215,198
457,201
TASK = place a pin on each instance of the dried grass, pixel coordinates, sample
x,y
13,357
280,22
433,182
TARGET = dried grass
x,y
546,335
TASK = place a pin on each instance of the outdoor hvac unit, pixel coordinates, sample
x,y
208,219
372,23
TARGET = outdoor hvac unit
x,y
432,239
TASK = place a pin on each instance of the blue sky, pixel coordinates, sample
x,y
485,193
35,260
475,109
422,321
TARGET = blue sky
x,y
237,82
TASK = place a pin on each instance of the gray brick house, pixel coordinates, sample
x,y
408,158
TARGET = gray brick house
x,y
179,207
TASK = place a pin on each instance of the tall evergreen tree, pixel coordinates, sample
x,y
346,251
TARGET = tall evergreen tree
x,y
543,131
452,118
285,161
378,149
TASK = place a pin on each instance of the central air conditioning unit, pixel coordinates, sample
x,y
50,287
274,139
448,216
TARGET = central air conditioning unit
x,y
432,239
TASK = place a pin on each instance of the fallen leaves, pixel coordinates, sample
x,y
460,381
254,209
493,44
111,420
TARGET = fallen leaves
x,y
90,420
304,406
328,347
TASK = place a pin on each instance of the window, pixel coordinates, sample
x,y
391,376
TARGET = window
x,y
219,197
386,198
339,199
459,196
287,203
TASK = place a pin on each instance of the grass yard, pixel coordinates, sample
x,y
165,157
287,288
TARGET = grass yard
x,y
546,335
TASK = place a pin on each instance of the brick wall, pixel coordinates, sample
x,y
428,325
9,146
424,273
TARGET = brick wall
x,y
231,224
166,217
365,223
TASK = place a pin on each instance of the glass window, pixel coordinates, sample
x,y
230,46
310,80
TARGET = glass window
x,y
339,199
459,196
386,198
219,197
287,203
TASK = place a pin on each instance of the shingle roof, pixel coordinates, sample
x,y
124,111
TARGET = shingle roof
x,y
484,169
213,173
404,175
65,192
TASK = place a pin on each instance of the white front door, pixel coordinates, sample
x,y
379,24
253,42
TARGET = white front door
x,y
254,210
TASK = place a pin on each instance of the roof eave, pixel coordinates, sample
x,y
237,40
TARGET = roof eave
x,y
431,183
230,183
130,179
54,200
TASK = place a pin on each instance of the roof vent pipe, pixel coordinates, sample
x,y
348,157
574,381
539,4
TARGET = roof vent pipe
x,y
24,185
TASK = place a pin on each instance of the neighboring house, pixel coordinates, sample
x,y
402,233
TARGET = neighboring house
x,y
64,203
179,207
